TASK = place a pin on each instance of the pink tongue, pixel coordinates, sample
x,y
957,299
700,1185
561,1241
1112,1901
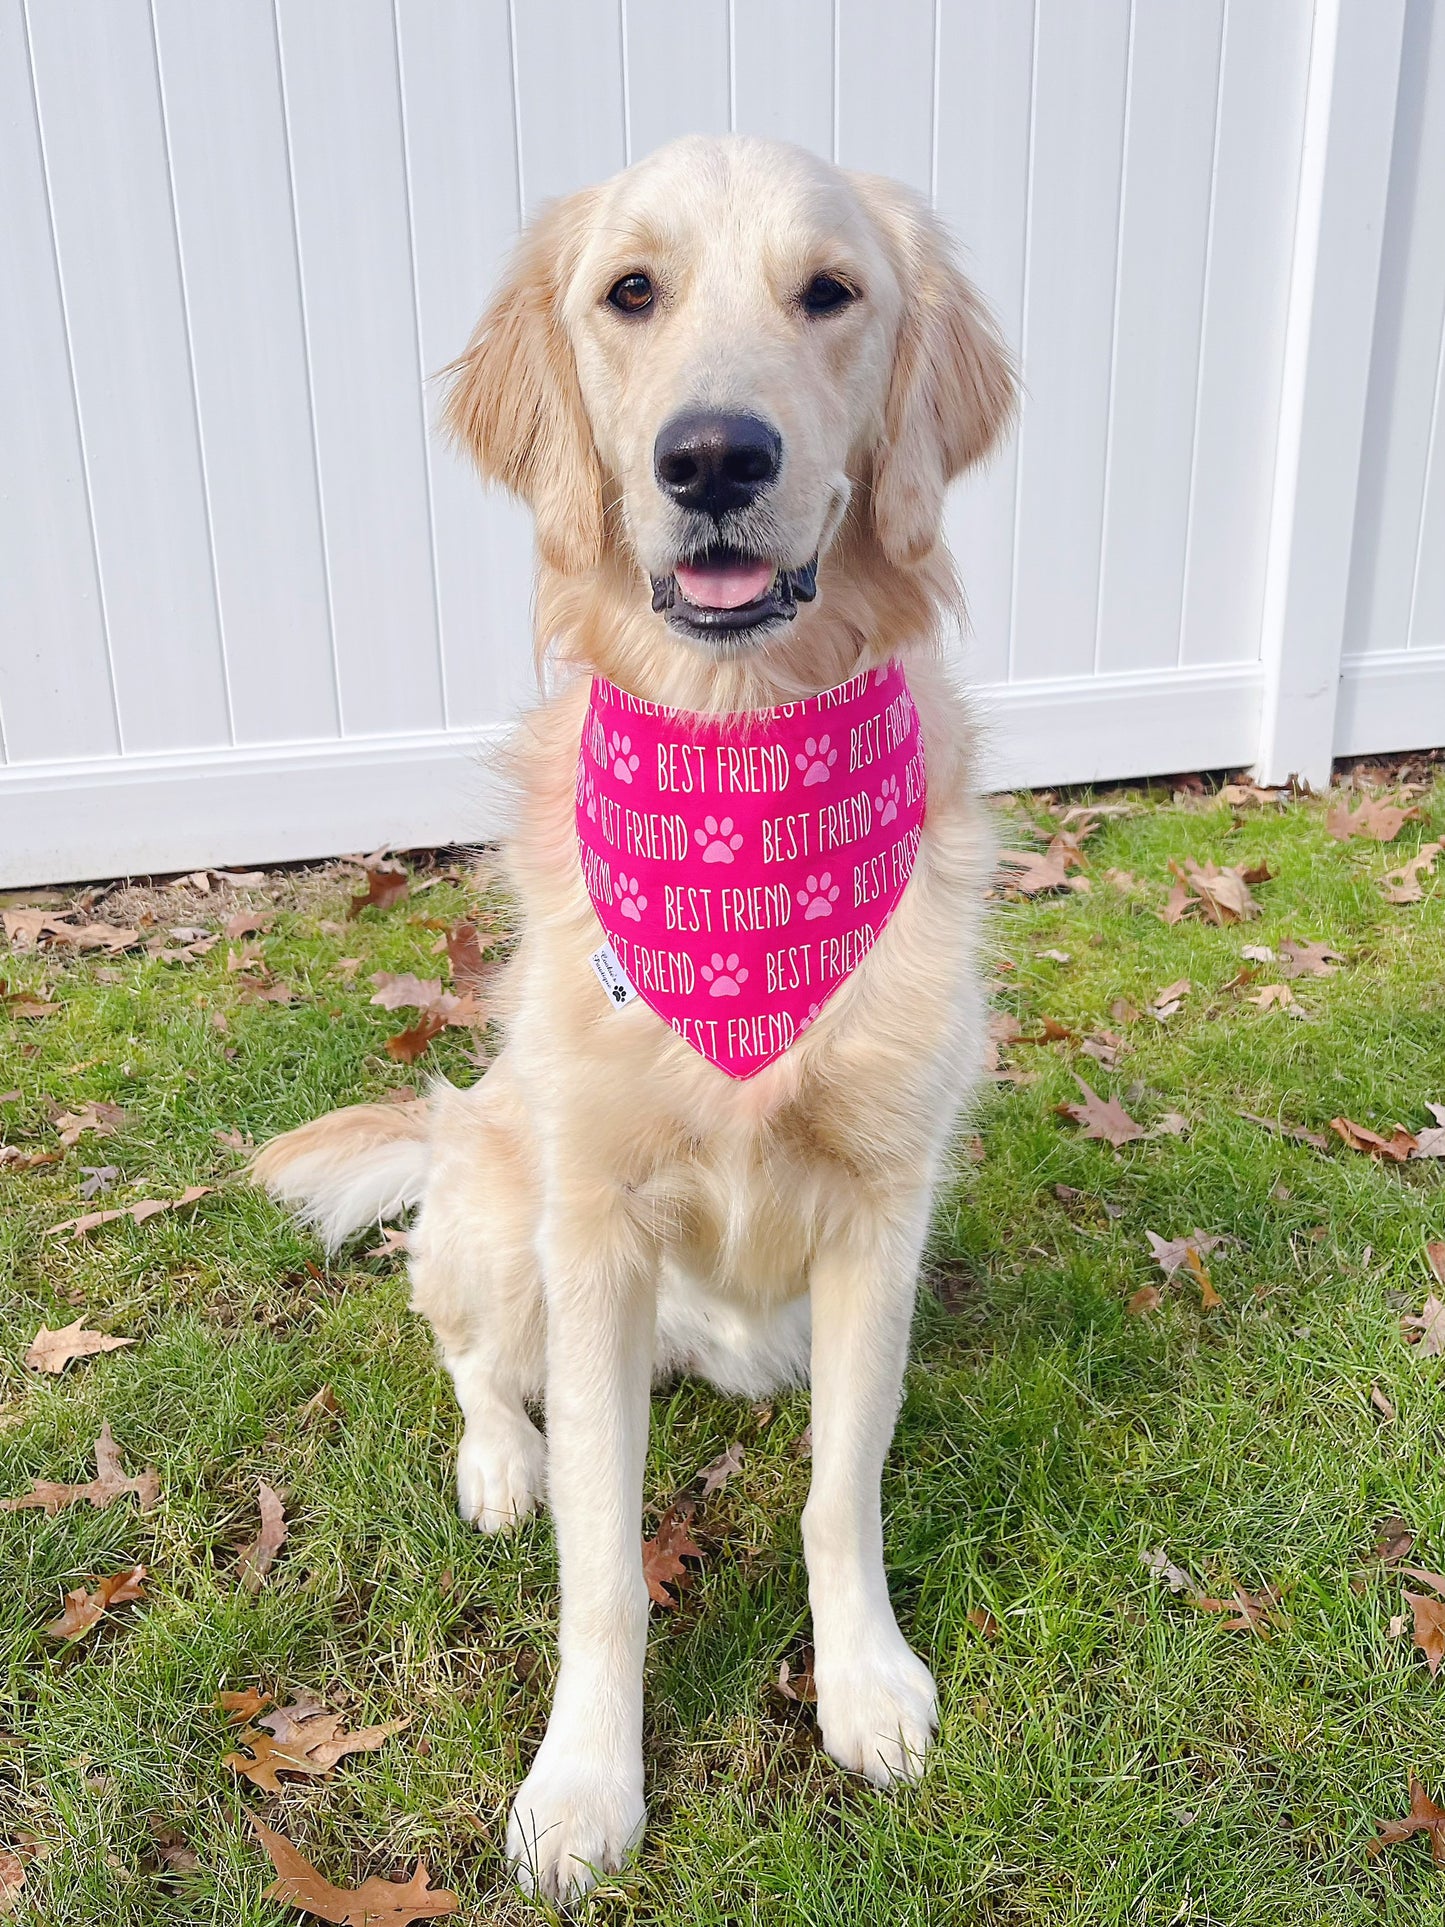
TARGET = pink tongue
x,y
727,585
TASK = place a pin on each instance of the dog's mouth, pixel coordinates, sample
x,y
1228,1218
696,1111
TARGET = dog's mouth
x,y
726,595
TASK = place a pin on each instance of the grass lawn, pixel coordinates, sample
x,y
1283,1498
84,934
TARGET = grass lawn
x,y
1111,1752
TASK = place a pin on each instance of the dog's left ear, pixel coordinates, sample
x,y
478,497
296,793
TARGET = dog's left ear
x,y
952,394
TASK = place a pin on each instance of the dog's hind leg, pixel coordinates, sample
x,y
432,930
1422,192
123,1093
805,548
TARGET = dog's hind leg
x,y
475,1276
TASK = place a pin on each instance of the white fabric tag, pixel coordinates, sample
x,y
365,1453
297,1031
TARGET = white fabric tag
x,y
612,977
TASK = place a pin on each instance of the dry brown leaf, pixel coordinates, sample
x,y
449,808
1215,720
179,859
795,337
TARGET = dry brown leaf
x,y
1163,1567
1394,1541
387,883
12,1159
1380,821
1237,795
1404,885
1145,1299
1172,1255
405,990
100,1119
110,1482
1435,1258
1297,1131
108,937
1209,1298
1105,1047
12,1879
1396,1149
1308,959
304,1738
1168,1000
1252,1611
1431,1143
1102,1118
259,1556
716,1473
147,1208
1032,872
1272,997
392,1242
796,1682
1429,1326
1382,1405
470,968
83,1609
52,1351
248,923
1429,1615
241,1707
375,1903
981,1618
1220,895
408,1045
1124,1012
1424,1817
663,1554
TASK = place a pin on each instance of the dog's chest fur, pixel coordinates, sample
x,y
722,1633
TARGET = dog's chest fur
x,y
739,1180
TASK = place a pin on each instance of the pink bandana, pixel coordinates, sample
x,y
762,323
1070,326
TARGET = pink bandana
x,y
742,866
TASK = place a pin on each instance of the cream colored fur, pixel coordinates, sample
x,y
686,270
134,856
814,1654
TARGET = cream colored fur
x,y
604,1205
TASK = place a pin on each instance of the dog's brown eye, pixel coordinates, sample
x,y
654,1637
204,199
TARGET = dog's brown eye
x,y
632,294
825,294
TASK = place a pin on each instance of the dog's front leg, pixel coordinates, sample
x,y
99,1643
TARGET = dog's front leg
x,y
580,1809
876,1702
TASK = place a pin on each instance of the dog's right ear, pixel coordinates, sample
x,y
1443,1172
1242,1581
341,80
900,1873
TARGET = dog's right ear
x,y
515,403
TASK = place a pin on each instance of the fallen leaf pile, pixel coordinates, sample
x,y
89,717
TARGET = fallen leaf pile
x,y
305,1739
84,1610
375,1903
52,1351
111,1482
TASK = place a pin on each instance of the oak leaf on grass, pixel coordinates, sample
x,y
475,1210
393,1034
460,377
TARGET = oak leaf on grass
x,y
305,1738
663,1554
84,1610
111,1482
375,1903
1219,895
1396,1149
147,1208
1308,959
1428,1327
52,1351
1429,1614
1431,1143
241,1707
1374,818
1403,885
12,1879
1424,1817
1252,1612
1102,1118
99,1118
387,883
258,1557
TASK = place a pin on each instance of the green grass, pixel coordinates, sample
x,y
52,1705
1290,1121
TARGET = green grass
x,y
1112,1756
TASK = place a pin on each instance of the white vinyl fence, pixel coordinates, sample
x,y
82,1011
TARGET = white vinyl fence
x,y
250,608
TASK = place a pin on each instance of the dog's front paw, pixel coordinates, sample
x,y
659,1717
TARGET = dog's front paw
x,y
878,1710
575,1818
501,1470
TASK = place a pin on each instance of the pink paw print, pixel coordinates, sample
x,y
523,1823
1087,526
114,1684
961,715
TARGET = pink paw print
x,y
624,757
723,976
811,1018
718,841
630,901
887,799
818,895
816,759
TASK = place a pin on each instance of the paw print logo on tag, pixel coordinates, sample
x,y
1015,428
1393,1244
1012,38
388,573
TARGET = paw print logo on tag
x,y
624,757
718,840
818,895
630,901
723,976
886,801
816,759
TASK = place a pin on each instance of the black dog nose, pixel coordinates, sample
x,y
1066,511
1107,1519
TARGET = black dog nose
x,y
716,462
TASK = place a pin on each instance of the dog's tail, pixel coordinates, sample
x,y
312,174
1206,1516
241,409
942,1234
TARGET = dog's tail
x,y
350,1168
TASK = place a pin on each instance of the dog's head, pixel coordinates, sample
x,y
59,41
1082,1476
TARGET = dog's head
x,y
706,360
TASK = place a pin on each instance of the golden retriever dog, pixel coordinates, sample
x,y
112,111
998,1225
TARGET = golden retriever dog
x,y
733,384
